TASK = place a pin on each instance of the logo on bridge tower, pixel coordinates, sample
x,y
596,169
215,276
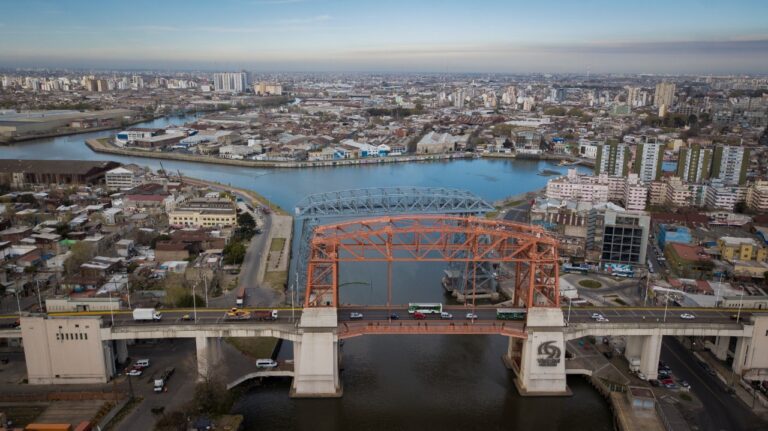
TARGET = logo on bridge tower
x,y
551,354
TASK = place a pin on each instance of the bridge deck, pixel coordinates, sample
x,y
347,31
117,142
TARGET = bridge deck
x,y
384,327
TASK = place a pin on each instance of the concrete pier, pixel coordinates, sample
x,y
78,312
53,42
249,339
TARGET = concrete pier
x,y
316,355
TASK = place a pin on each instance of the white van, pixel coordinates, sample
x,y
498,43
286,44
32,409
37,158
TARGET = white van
x,y
266,363
142,363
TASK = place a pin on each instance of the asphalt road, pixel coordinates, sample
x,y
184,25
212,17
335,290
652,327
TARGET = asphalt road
x,y
575,315
721,412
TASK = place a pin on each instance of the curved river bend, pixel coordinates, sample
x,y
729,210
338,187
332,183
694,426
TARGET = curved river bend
x,y
390,382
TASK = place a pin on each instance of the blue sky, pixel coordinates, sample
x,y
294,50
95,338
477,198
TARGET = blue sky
x,y
707,36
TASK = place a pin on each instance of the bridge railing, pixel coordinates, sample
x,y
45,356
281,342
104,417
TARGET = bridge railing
x,y
348,329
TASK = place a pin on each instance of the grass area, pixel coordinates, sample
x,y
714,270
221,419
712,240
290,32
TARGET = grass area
x,y
619,301
277,244
276,279
256,347
686,397
590,284
491,214
22,415
514,203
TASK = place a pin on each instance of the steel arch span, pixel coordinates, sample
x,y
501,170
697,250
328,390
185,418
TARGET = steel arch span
x,y
426,238
376,202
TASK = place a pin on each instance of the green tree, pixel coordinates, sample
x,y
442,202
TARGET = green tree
x,y
246,221
80,253
558,111
212,397
234,253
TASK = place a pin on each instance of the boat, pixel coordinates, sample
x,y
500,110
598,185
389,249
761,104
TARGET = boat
x,y
548,172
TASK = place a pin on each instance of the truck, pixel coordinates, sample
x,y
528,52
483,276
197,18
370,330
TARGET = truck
x,y
146,315
240,300
265,315
237,314
162,379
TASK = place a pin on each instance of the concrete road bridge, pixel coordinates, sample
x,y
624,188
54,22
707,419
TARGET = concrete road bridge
x,y
78,348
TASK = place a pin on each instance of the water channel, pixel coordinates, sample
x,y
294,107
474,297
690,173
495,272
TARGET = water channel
x,y
390,382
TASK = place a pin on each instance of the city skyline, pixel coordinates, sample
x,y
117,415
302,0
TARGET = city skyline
x,y
313,35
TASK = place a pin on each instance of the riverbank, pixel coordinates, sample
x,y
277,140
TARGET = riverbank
x,y
544,156
254,197
17,140
103,146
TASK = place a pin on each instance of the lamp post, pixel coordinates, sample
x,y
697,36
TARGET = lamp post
x,y
18,302
194,303
666,305
111,309
39,299
570,301
741,304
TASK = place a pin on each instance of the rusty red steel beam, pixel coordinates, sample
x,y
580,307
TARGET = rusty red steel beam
x,y
349,330
428,238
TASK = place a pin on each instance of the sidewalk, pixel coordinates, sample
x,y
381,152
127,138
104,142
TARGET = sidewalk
x,y
730,379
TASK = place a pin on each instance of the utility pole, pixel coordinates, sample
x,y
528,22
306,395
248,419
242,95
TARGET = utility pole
x,y
194,302
39,299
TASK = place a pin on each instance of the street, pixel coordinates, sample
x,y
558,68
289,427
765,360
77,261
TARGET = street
x,y
722,412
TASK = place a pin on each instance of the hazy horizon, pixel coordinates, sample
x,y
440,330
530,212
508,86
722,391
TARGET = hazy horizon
x,y
683,37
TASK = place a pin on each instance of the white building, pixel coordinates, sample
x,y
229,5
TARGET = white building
x,y
588,149
635,194
725,197
232,82
120,179
236,152
648,160
577,187
757,196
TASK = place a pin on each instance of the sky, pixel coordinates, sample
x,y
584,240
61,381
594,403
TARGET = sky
x,y
550,36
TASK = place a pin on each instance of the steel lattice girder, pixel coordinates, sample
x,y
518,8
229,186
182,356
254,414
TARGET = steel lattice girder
x,y
391,200
435,238
376,202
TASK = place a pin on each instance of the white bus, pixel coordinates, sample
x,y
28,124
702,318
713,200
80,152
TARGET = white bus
x,y
425,308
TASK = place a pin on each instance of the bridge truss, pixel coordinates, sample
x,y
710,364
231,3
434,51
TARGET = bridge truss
x,y
428,238
381,201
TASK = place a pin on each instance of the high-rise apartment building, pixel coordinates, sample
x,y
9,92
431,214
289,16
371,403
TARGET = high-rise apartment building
x,y
648,159
729,164
233,82
665,94
612,159
694,163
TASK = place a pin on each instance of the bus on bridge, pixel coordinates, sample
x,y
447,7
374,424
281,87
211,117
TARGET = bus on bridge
x,y
425,308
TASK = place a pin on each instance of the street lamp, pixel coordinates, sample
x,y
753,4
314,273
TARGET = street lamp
x,y
666,305
741,304
18,302
194,302
570,301
39,299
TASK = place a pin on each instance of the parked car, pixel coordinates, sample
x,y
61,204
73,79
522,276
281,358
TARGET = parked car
x,y
355,316
684,383
266,363
655,383
135,372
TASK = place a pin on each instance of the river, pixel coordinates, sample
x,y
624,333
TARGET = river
x,y
390,382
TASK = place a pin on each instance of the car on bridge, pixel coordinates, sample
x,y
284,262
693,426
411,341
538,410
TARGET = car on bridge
x,y
355,316
418,315
471,316
687,316
394,316
446,315
266,363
